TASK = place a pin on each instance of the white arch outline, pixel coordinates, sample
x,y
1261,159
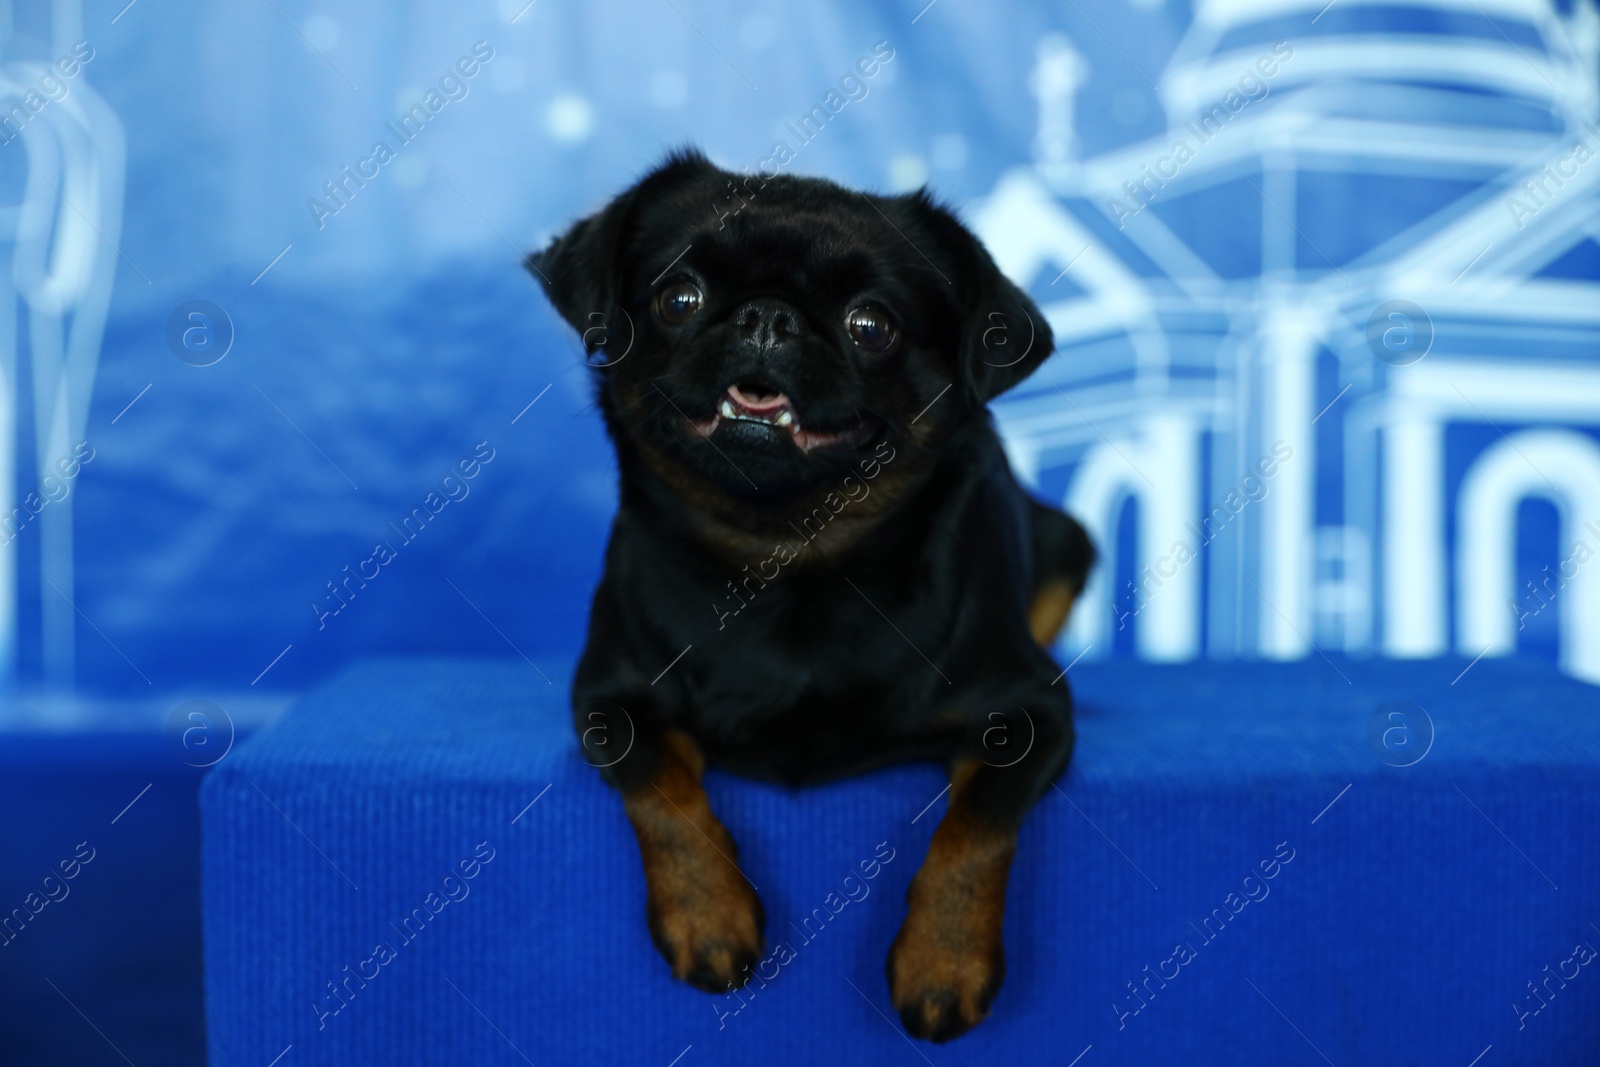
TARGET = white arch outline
x,y
1561,466
1160,471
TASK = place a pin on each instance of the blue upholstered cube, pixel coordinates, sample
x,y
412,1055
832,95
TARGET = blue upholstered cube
x,y
1350,862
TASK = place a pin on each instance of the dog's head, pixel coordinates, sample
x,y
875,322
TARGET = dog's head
x,y
767,335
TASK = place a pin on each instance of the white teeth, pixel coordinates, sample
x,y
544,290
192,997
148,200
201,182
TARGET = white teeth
x,y
785,418
727,408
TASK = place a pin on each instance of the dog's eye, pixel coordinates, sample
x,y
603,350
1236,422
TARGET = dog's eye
x,y
677,303
872,329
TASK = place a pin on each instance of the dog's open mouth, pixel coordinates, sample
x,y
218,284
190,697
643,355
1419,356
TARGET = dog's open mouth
x,y
757,407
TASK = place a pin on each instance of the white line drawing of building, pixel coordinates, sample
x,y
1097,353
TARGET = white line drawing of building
x,y
63,233
1211,303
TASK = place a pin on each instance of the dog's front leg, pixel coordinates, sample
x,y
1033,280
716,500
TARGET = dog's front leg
x,y
703,913
948,961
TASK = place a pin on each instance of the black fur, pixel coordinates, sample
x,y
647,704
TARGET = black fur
x,y
898,630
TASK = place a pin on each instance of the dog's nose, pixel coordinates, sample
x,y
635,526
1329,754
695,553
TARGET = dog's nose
x,y
767,323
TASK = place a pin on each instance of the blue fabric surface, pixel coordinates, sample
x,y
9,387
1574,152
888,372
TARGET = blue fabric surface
x,y
107,962
1406,911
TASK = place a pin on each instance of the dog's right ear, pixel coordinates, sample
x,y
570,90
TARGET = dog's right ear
x,y
584,270
581,271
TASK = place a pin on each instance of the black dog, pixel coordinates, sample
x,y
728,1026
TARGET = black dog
x,y
822,562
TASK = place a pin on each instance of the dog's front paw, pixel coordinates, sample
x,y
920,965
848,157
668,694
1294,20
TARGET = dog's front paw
x,y
944,970
707,921
943,979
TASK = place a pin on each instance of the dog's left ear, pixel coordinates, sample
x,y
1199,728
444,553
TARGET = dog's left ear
x,y
1004,337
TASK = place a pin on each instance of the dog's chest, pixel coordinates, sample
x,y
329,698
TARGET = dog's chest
x,y
803,732
805,683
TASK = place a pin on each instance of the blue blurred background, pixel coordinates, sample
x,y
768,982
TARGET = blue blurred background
x,y
1355,244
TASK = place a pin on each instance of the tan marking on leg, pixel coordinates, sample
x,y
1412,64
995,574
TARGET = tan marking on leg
x,y
1052,603
948,961
703,913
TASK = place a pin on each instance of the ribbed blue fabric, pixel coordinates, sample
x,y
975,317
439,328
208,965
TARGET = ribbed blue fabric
x,y
1396,915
